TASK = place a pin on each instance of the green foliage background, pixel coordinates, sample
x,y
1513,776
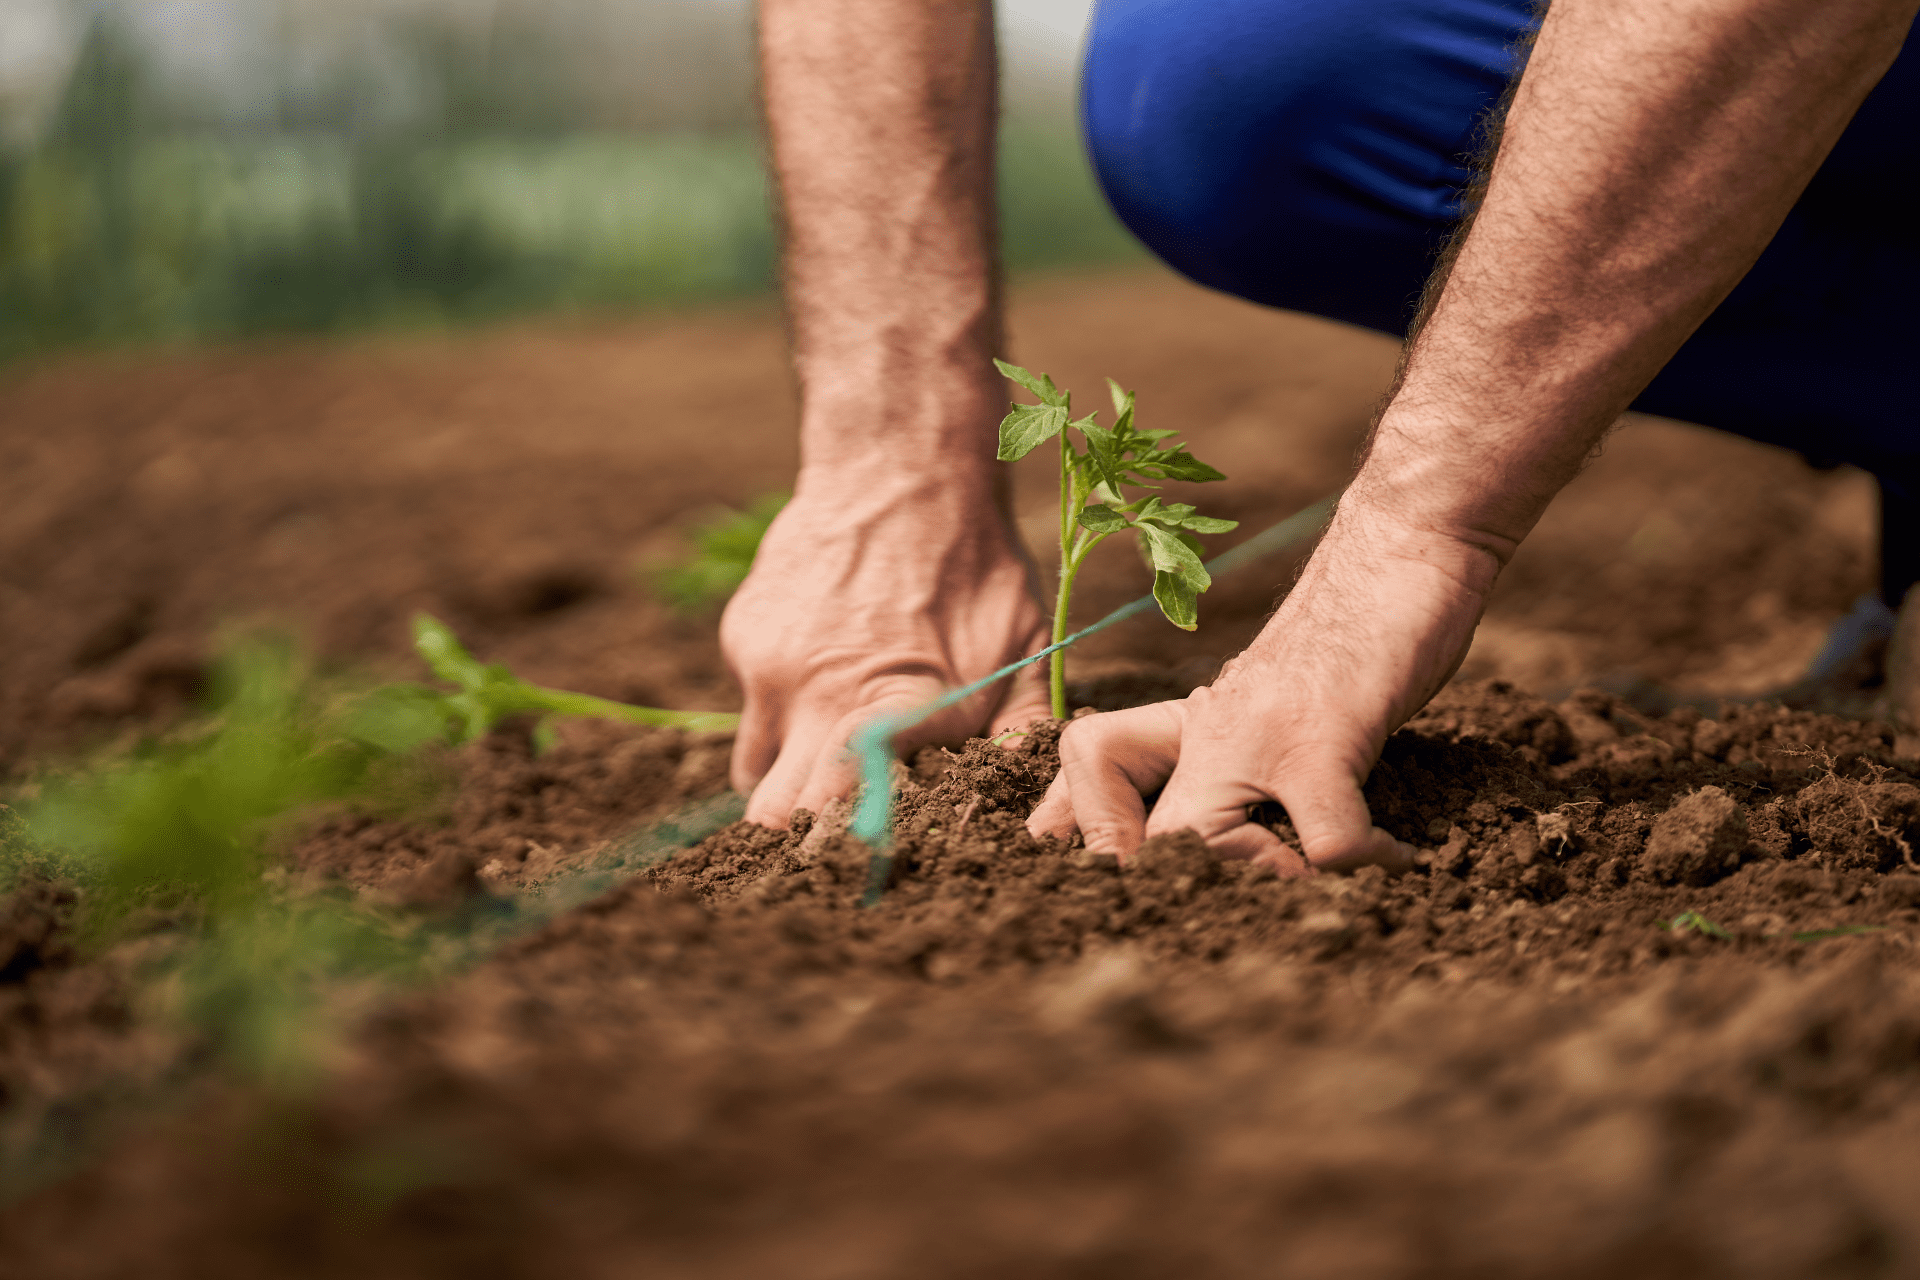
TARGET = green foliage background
x,y
130,219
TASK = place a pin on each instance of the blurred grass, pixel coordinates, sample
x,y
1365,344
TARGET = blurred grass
x,y
115,229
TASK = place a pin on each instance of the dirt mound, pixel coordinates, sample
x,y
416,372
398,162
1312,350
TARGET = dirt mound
x,y
1647,1006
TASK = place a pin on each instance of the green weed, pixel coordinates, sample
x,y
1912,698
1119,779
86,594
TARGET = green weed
x,y
723,549
1843,931
1095,504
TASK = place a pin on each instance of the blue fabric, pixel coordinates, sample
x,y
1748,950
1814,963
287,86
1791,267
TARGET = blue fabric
x,y
1312,155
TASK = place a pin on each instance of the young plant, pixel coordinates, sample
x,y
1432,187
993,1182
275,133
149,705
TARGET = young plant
x,y
1694,922
179,836
400,717
1099,497
191,815
723,549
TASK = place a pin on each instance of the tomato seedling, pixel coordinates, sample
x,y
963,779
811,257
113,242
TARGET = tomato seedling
x,y
1095,502
399,717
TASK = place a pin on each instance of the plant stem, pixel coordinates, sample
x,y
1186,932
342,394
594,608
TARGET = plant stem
x,y
586,706
1070,500
1057,664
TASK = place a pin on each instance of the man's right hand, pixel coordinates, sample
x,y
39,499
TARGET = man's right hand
x,y
1380,619
870,596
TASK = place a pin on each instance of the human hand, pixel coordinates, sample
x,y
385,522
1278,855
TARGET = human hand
x,y
1378,622
870,597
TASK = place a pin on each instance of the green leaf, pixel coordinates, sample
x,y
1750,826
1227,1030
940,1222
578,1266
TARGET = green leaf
x,y
1695,922
435,642
1041,385
724,545
1844,931
1178,464
1027,427
1159,433
1151,508
1122,408
1101,518
397,718
1182,515
1177,600
1104,450
1170,553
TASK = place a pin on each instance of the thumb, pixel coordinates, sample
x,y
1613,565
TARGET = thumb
x,y
835,766
1322,796
1212,791
1107,764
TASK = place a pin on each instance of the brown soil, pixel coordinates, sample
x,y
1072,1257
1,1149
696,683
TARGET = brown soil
x,y
1025,1061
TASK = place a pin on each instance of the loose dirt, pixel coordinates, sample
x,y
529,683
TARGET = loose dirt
x,y
1648,1006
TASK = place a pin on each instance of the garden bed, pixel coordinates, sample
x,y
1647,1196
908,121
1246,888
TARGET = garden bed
x,y
1649,1005
1030,1061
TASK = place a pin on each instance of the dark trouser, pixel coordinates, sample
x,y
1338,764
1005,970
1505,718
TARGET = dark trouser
x,y
1312,155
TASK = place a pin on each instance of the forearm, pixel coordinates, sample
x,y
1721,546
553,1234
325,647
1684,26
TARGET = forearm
x,y
1649,155
882,115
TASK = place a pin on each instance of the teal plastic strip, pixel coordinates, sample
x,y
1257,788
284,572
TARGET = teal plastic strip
x,y
874,742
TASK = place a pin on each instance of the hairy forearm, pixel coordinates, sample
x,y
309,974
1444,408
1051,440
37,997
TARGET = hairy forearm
x,y
881,114
1650,153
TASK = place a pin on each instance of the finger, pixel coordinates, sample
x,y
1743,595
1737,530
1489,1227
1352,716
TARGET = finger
x,y
1026,701
1053,816
773,799
1111,762
1318,791
1210,792
756,744
1323,798
1258,844
836,767
1197,799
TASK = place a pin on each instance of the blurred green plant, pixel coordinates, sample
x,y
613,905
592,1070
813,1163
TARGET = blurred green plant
x,y
129,221
400,717
1694,922
724,545
183,827
181,832
194,816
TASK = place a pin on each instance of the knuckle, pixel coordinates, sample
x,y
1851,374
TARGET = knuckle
x,y
1108,835
1085,736
1340,849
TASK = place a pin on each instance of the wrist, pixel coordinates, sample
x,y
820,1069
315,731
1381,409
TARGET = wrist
x,y
1424,490
930,504
1372,531
861,427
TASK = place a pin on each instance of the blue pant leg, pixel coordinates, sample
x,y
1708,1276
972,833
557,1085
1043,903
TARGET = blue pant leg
x,y
1312,156
1293,152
